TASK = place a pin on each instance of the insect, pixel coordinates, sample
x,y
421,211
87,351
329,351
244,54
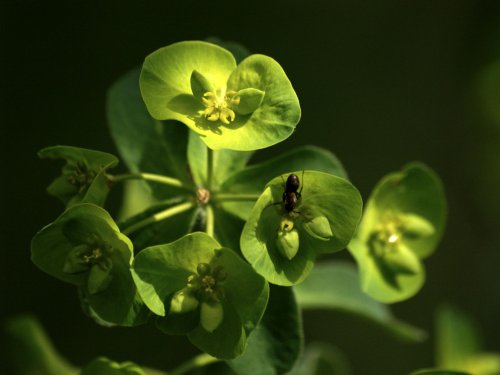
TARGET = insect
x,y
292,194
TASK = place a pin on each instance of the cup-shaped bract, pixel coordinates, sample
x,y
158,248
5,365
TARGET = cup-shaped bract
x,y
323,220
84,247
403,222
201,289
83,177
240,107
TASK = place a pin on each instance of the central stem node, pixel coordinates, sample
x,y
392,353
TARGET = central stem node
x,y
202,196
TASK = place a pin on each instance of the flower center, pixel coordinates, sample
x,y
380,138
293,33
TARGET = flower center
x,y
207,282
81,176
219,107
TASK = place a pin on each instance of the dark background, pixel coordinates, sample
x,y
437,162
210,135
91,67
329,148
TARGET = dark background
x,y
381,83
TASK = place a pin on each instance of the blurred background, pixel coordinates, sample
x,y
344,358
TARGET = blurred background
x,y
380,84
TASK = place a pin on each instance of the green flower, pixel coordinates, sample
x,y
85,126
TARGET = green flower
x,y
241,107
203,290
83,177
402,224
282,244
84,247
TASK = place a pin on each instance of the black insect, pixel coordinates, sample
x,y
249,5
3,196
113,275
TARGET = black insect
x,y
291,195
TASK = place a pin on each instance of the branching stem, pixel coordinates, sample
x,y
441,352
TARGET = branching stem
x,y
162,215
210,168
209,220
194,363
161,179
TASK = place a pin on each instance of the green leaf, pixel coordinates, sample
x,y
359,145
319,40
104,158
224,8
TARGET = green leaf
x,y
403,222
168,92
277,341
322,359
165,79
31,351
227,228
161,271
457,338
145,144
162,231
322,195
83,178
335,286
487,83
254,178
266,125
200,85
249,100
439,372
104,366
225,162
90,225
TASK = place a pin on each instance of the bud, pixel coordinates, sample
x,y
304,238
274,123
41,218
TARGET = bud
x,y
415,226
211,315
203,269
319,228
183,301
99,278
402,260
287,243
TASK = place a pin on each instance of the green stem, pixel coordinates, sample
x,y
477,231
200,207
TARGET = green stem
x,y
209,220
210,167
162,215
194,363
236,197
148,177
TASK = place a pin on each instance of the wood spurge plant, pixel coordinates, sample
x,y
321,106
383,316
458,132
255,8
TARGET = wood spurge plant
x,y
210,245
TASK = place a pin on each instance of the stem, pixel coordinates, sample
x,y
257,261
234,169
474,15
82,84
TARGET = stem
x,y
209,220
162,215
210,167
194,363
236,197
148,177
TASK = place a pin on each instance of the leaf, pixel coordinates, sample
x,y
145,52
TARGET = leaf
x,y
83,178
145,144
166,88
322,195
31,351
266,125
405,213
254,178
322,359
458,344
438,372
274,346
335,286
165,79
88,224
224,164
162,231
457,338
104,366
161,271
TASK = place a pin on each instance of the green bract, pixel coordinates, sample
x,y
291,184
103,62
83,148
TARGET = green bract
x,y
83,176
202,290
241,107
402,224
84,247
104,366
281,245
